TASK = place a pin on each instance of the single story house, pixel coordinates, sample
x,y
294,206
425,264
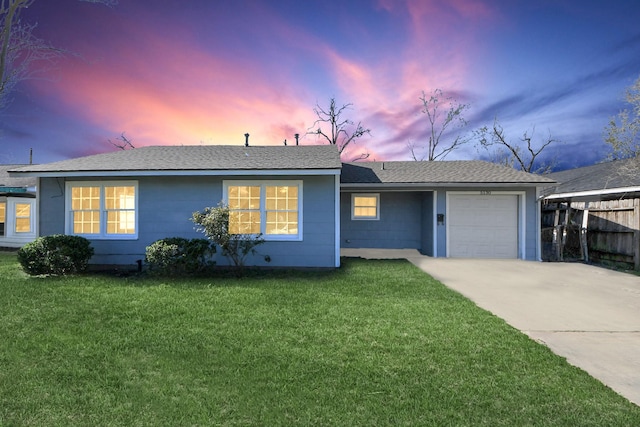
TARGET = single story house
x,y
303,199
593,213
17,208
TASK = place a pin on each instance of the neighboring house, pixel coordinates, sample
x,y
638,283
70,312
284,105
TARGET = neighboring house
x,y
593,213
17,208
303,199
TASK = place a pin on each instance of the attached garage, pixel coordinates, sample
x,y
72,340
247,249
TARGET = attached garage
x,y
458,209
483,225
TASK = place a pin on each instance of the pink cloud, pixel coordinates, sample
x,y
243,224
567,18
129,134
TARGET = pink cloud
x,y
173,93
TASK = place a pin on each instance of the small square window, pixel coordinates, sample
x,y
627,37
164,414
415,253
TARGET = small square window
x,y
365,206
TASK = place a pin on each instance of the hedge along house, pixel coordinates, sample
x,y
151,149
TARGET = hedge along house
x,y
123,201
303,199
17,208
461,209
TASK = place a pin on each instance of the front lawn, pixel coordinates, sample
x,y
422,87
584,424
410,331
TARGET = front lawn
x,y
374,343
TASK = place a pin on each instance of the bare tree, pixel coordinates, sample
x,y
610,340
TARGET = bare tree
x,y
341,131
623,131
20,49
523,154
122,142
444,116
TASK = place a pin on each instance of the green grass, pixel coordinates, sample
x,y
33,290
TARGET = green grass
x,y
374,343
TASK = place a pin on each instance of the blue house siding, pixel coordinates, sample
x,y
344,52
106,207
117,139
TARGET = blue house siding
x,y
165,206
399,226
428,220
51,206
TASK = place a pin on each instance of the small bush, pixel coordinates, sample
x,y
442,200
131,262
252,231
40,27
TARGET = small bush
x,y
217,224
176,255
58,254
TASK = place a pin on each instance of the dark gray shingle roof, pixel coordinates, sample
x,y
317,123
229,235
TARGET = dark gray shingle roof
x,y
199,157
601,176
7,180
441,172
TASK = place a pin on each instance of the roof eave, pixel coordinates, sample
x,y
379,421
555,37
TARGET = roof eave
x,y
588,193
417,185
207,172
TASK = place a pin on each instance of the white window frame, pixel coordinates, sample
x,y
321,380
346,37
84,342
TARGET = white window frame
x,y
263,211
10,222
102,235
365,218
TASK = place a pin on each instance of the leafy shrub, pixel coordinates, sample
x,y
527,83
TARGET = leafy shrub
x,y
217,223
58,254
177,255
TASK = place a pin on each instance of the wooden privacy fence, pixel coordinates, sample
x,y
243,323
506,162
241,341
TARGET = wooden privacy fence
x,y
597,231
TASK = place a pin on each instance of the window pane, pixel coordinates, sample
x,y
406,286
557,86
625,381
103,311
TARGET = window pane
x,y
121,222
85,198
282,223
364,212
244,197
244,222
23,225
282,198
119,197
86,222
365,201
23,210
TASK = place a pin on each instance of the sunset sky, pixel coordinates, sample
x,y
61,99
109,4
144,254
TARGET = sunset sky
x,y
209,71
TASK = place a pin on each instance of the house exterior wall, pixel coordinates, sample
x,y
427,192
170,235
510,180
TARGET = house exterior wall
x,y
400,223
165,206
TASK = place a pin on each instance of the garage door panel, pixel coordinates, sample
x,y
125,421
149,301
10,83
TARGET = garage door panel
x,y
483,226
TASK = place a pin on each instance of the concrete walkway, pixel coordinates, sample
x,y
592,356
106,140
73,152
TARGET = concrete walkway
x,y
588,314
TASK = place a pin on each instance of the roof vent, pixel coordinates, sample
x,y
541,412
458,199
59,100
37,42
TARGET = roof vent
x,y
246,139
297,135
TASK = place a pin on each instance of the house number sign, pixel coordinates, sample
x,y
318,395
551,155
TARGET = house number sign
x,y
485,192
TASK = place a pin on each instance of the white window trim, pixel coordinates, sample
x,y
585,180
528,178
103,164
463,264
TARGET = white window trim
x,y
68,223
365,218
263,210
10,218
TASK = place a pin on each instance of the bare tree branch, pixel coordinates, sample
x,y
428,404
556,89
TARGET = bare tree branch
x,y
509,153
122,142
440,124
338,131
21,52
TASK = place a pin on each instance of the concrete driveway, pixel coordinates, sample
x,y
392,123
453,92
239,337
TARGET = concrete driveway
x,y
589,315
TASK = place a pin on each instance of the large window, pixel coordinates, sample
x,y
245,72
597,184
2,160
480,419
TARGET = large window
x,y
102,210
365,206
271,208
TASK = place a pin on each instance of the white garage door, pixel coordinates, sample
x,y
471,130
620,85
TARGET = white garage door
x,y
483,226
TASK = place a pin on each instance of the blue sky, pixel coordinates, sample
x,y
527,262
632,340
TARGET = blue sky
x,y
204,72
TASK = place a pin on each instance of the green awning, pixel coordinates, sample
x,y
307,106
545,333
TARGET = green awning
x,y
13,190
